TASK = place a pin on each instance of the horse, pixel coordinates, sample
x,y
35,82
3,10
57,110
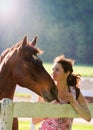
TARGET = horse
x,y
20,64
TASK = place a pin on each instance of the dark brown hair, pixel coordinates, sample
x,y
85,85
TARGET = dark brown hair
x,y
67,65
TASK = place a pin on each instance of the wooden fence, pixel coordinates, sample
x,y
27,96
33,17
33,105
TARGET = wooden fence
x,y
9,109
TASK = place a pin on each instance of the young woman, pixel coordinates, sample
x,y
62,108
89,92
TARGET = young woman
x,y
68,92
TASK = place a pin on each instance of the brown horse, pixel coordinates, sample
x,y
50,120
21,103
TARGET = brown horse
x,y
21,65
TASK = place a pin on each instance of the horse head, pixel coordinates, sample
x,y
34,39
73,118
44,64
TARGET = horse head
x,y
28,70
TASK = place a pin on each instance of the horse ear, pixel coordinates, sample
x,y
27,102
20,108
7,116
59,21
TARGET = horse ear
x,y
24,43
33,42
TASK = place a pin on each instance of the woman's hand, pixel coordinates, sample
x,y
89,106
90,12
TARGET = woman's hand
x,y
79,105
68,97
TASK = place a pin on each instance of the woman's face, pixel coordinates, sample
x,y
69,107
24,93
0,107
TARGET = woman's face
x,y
58,73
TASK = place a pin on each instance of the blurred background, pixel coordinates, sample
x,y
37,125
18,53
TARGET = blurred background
x,y
63,27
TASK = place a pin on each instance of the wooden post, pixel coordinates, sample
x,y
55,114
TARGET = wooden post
x,y
6,114
34,98
48,110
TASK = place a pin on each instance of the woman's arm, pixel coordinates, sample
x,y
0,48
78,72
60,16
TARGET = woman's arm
x,y
81,107
38,120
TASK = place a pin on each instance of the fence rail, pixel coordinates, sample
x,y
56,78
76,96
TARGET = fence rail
x,y
9,109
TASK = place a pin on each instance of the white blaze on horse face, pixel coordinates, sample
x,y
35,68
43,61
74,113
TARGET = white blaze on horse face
x,y
35,57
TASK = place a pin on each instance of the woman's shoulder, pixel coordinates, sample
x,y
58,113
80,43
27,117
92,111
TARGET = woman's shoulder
x,y
77,91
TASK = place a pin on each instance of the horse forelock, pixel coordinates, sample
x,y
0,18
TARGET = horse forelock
x,y
35,50
30,50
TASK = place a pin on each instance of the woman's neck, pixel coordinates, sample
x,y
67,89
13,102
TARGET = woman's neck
x,y
62,89
62,86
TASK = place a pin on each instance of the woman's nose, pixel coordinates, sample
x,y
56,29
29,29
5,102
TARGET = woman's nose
x,y
53,72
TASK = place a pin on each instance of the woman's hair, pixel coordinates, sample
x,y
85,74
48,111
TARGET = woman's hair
x,y
67,64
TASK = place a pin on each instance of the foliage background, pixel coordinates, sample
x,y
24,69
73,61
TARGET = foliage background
x,y
63,27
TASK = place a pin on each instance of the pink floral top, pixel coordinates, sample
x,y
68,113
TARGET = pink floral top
x,y
59,123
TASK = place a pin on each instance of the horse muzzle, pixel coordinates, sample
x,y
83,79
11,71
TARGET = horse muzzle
x,y
50,96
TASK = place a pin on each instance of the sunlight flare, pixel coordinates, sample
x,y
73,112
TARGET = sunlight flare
x,y
7,8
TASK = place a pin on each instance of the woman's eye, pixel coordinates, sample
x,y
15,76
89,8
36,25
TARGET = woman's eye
x,y
57,69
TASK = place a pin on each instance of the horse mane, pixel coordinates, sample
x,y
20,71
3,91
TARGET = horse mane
x,y
5,52
34,49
